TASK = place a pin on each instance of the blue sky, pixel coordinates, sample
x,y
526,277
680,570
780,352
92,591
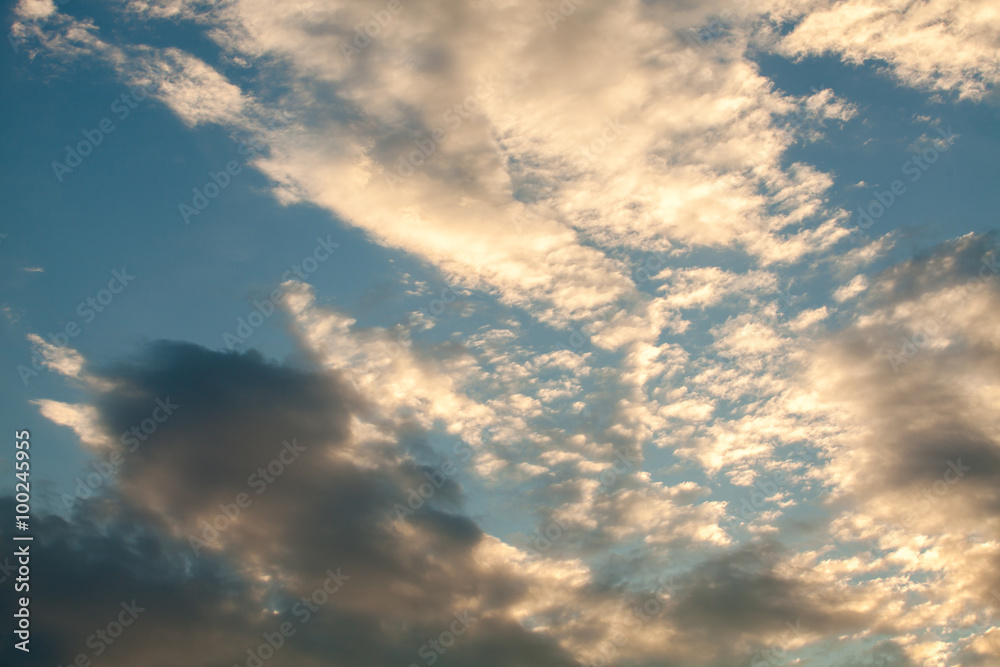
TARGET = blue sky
x,y
598,276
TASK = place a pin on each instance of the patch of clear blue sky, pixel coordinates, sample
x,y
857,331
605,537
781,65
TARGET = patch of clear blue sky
x,y
955,195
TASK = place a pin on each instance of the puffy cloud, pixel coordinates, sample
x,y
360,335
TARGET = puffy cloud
x,y
947,45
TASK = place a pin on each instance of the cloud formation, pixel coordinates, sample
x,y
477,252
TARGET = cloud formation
x,y
685,424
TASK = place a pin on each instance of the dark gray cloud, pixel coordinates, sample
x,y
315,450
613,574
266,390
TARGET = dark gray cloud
x,y
742,597
323,512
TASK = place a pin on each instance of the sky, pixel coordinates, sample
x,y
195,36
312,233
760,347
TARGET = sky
x,y
500,333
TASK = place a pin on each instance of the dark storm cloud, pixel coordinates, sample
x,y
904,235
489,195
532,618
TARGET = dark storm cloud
x,y
323,511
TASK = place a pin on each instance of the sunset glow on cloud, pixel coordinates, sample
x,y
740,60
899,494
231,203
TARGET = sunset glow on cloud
x,y
503,333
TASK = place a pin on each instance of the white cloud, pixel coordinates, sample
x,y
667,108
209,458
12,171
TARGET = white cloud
x,y
939,44
858,284
63,360
83,419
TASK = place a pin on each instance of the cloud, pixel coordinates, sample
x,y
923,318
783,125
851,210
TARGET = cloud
x,y
939,45
189,87
858,284
35,9
914,461
886,438
63,360
408,574
707,286
83,419
750,598
680,149
45,31
549,167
